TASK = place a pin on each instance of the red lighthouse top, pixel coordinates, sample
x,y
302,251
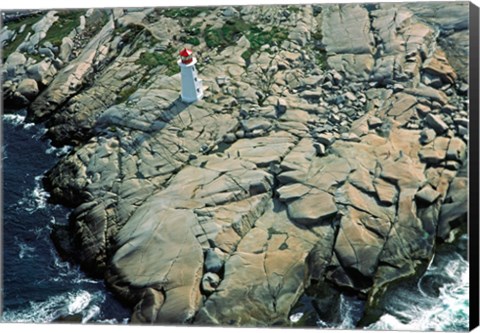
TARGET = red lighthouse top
x,y
186,56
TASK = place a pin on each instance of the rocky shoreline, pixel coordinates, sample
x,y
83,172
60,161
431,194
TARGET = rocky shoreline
x,y
329,154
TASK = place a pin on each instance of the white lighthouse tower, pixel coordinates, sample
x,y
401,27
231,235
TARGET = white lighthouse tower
x,y
191,84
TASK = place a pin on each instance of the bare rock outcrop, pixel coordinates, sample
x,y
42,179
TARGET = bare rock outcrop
x,y
350,48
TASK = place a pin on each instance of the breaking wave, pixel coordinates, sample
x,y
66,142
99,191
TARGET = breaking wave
x,y
35,198
440,301
59,306
15,119
59,152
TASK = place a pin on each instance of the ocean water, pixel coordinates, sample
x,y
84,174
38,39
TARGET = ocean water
x,y
38,286
438,301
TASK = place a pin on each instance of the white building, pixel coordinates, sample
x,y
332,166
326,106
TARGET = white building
x,y
191,85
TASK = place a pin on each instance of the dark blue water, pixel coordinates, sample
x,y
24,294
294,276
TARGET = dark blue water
x,y
37,285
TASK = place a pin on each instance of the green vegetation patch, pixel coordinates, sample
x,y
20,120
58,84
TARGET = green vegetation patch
x,y
153,59
16,25
125,94
188,12
319,49
231,31
321,59
294,9
67,21
194,30
190,40
258,38
130,33
191,34
226,35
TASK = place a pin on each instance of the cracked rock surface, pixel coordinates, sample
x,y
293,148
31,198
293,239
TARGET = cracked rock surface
x,y
332,156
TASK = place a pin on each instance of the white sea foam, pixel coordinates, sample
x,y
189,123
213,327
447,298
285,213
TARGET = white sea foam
x,y
79,302
36,199
25,250
17,119
59,152
71,303
63,267
28,125
39,133
80,280
37,312
39,194
67,271
294,318
447,312
91,313
351,310
54,221
13,118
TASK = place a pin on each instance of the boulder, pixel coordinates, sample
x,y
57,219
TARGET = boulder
x,y
432,156
427,194
454,208
326,139
423,109
427,135
210,282
145,256
438,65
230,12
320,149
229,138
16,59
400,104
436,123
252,124
14,65
28,88
6,35
46,52
457,150
66,49
429,93
213,262
374,122
43,72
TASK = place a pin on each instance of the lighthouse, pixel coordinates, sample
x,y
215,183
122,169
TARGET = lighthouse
x,y
191,84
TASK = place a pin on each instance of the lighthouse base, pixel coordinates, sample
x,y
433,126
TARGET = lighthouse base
x,y
190,99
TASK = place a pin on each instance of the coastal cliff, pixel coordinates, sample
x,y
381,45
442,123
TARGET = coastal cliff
x,y
329,154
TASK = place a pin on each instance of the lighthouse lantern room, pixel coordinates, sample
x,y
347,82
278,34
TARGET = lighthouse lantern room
x,y
191,85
